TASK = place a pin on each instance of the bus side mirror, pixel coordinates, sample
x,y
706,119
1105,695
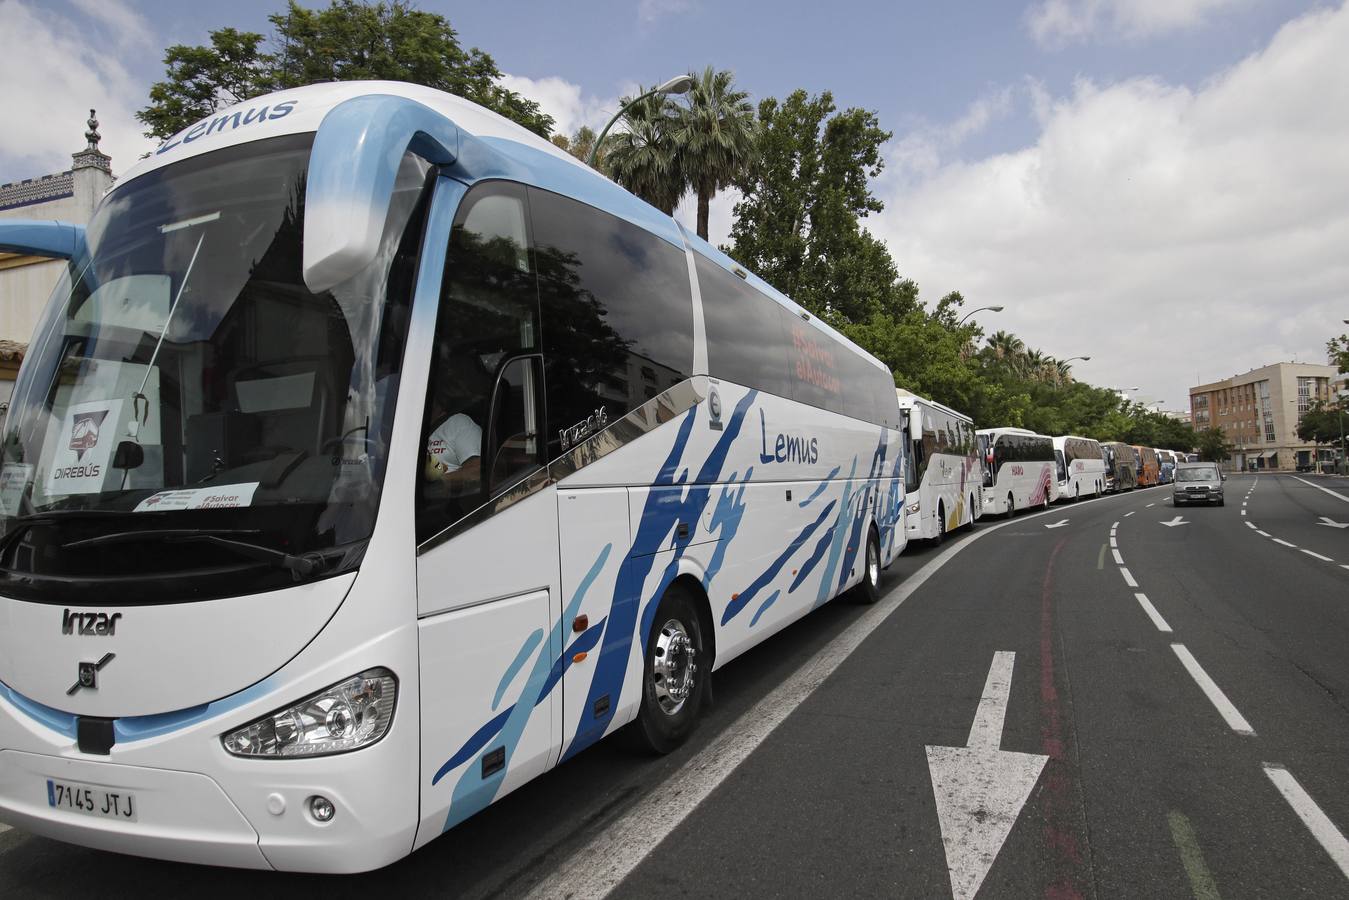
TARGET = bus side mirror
x,y
352,170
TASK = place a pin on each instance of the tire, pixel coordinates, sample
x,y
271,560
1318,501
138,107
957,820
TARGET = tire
x,y
941,526
674,675
973,518
1077,492
1222,502
1011,507
868,590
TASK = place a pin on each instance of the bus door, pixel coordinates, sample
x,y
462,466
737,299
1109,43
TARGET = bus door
x,y
986,460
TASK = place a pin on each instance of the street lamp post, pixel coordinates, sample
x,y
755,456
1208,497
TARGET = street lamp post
x,y
980,309
680,84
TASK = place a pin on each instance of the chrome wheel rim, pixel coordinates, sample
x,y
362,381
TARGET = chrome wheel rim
x,y
673,667
873,564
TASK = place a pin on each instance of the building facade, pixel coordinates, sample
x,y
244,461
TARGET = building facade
x,y
1260,410
26,282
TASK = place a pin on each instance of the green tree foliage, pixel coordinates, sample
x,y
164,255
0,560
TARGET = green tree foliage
x,y
799,225
579,144
1213,445
348,40
1321,424
643,156
1339,352
715,135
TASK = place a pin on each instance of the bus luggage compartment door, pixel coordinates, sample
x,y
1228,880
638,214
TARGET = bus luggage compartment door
x,y
598,618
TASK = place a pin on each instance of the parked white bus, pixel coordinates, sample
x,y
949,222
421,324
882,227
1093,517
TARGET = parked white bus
x,y
1080,468
943,480
372,457
1018,470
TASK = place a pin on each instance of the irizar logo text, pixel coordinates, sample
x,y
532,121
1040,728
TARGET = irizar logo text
x,y
93,624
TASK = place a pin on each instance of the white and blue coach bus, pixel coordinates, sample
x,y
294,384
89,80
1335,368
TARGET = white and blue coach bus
x,y
943,474
375,456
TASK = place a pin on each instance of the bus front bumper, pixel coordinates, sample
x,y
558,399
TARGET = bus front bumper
x,y
178,816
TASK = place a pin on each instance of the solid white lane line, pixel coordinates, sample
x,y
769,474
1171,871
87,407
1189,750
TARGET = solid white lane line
x,y
1285,543
1128,577
1263,533
1317,822
1251,525
1151,610
1128,514
1317,555
1335,494
1114,526
986,732
1235,720
1119,560
4,827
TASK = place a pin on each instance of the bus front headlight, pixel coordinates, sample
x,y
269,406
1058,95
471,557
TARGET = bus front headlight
x,y
347,716
913,507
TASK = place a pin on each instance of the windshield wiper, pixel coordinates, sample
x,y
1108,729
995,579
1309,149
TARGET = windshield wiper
x,y
300,566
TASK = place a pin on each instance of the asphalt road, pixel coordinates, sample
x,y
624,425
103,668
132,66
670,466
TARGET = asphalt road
x,y
1022,715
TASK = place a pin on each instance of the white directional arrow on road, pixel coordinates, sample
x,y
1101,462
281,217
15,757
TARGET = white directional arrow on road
x,y
1058,524
1174,522
1327,520
979,788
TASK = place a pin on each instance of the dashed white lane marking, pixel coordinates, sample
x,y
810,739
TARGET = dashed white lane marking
x,y
1151,610
1150,505
1317,555
1114,525
1235,720
1285,543
4,827
1252,526
1128,577
1119,560
1335,494
1317,822
1113,542
1263,533
1243,512
1128,514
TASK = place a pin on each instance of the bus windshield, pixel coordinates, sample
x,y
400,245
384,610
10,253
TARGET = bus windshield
x,y
191,416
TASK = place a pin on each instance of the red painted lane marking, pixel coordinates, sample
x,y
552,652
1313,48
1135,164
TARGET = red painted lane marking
x,y
1056,800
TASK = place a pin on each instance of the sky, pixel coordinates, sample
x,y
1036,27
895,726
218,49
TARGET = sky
x,y
1157,184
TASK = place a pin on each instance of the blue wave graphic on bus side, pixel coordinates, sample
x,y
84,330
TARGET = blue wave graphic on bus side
x,y
473,792
824,486
763,608
860,517
726,518
766,577
659,518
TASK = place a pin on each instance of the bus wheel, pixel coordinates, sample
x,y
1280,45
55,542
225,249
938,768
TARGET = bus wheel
x,y
673,675
973,517
941,526
1011,506
868,590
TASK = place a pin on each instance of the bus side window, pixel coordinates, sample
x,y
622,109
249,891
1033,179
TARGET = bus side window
x,y
480,430
617,316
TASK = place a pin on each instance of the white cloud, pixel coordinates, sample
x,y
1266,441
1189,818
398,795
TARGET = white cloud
x,y
651,11
921,150
53,73
1169,233
1059,22
565,102
126,26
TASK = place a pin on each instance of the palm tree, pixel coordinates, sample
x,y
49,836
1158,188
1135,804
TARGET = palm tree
x,y
1065,371
715,135
1006,346
644,158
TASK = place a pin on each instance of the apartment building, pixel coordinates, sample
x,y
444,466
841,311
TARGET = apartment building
x,y
1260,410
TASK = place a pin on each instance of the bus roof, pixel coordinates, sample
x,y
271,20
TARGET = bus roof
x,y
505,150
908,399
